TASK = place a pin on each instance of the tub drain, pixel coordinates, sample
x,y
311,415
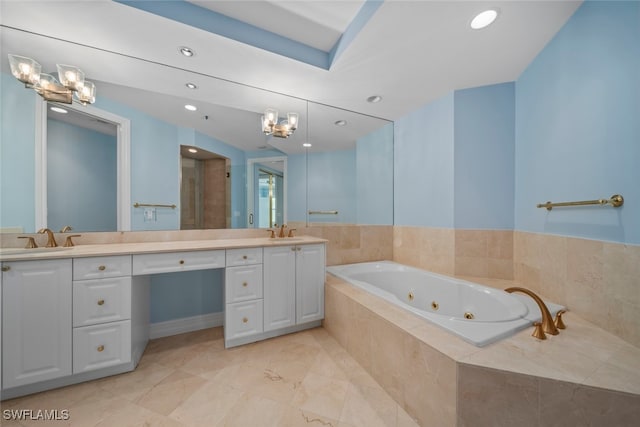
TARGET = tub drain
x,y
468,315
410,296
435,305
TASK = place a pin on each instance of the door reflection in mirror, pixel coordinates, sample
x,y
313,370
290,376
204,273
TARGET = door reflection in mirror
x,y
205,189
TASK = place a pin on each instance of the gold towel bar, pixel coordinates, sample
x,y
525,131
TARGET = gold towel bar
x,y
323,212
616,201
147,205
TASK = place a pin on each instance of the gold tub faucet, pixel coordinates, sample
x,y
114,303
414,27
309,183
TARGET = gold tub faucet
x,y
51,240
547,322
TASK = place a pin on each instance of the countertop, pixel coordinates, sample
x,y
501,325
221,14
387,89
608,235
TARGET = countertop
x,y
80,251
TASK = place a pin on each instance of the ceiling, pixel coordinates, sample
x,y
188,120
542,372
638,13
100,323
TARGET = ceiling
x,y
408,52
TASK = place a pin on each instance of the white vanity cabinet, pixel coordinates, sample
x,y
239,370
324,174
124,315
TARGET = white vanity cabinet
x,y
101,312
36,321
293,285
243,290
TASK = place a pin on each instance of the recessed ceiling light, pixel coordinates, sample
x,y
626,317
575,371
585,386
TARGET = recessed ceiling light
x,y
484,19
191,86
59,110
306,144
340,122
374,98
186,51
193,150
191,107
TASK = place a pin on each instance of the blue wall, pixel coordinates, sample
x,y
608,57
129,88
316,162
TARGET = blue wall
x,y
332,185
81,178
484,129
297,191
578,126
423,166
374,177
17,151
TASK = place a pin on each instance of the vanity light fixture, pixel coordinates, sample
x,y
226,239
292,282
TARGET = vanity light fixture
x,y
186,51
190,107
193,150
484,19
340,123
271,124
72,85
374,99
191,86
59,110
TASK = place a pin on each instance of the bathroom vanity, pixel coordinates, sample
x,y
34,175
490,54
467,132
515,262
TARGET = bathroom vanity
x,y
76,314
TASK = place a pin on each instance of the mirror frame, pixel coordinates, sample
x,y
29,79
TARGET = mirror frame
x,y
123,157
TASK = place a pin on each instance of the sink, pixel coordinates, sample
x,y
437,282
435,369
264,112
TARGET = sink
x,y
21,251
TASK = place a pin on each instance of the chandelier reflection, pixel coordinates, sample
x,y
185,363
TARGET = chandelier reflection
x,y
272,126
72,85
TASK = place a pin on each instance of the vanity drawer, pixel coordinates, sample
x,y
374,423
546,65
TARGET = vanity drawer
x,y
177,261
99,267
101,300
101,346
244,256
243,283
242,319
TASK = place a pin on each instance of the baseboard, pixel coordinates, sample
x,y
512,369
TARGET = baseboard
x,y
186,324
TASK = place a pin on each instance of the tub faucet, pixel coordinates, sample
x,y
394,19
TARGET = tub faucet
x,y
547,322
51,240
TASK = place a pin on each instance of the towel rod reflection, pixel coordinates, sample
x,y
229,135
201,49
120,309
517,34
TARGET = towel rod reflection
x,y
323,212
616,201
150,205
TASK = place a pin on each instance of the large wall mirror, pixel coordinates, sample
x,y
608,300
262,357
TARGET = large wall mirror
x,y
336,168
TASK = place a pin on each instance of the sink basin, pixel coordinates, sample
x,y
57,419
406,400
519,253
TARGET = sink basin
x,y
15,251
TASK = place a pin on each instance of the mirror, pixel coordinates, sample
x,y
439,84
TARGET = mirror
x,y
335,173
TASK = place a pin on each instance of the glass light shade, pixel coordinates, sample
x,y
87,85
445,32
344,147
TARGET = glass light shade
x,y
292,119
25,69
264,123
71,77
271,115
87,94
51,90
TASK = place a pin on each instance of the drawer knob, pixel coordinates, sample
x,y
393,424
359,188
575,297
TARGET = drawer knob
x,y
6,268
102,268
245,320
181,261
245,284
100,348
244,257
100,302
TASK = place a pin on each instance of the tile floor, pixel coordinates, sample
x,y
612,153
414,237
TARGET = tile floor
x,y
302,379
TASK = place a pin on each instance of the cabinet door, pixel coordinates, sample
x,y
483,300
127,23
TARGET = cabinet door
x,y
310,274
279,287
36,321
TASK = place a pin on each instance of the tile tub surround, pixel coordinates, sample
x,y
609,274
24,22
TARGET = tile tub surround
x,y
598,280
434,375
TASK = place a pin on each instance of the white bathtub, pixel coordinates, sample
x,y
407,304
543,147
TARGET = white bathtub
x,y
476,313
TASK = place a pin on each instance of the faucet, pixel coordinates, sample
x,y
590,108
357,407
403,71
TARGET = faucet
x,y
547,322
281,233
66,228
51,240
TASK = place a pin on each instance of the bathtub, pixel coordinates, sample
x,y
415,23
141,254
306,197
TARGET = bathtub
x,y
478,314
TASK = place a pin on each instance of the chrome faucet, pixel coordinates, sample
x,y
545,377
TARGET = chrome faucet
x,y
51,240
547,322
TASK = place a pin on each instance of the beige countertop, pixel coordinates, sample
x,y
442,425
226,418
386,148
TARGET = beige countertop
x,y
80,251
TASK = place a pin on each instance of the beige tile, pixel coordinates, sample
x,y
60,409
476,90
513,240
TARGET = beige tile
x,y
296,417
371,407
472,243
133,385
483,394
500,244
254,410
170,392
472,266
321,395
208,405
500,268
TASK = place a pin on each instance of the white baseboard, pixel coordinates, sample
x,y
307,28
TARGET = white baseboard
x,y
186,324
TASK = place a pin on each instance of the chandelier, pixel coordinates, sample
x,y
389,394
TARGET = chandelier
x,y
272,126
72,84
